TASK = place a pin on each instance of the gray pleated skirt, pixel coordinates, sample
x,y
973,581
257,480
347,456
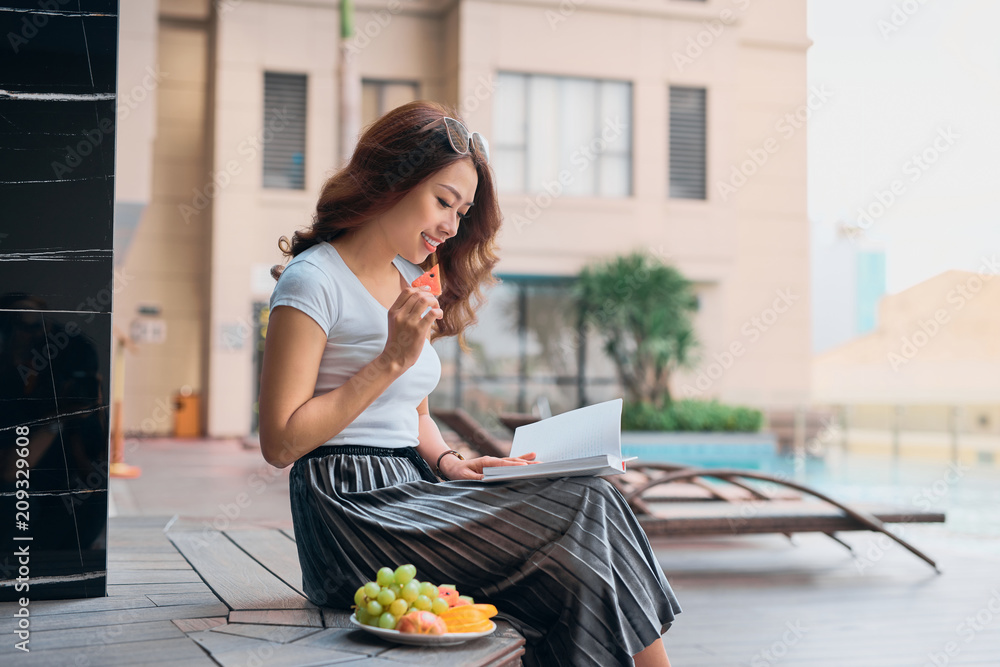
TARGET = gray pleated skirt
x,y
564,560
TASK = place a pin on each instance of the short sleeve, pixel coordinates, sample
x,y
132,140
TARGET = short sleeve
x,y
308,288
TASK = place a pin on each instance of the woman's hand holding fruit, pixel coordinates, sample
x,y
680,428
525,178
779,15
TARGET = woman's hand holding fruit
x,y
408,327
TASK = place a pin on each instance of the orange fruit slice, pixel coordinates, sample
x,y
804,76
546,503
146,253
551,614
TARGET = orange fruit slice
x,y
469,618
478,626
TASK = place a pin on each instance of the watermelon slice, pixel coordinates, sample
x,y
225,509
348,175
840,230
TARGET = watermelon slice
x,y
432,279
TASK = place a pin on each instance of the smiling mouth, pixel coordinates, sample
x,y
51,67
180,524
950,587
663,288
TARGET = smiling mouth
x,y
430,242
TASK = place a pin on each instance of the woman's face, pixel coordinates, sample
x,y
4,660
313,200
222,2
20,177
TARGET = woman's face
x,y
430,213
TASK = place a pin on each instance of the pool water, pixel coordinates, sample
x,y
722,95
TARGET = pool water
x,y
760,457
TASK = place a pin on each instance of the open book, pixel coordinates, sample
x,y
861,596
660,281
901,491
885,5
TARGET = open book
x,y
582,442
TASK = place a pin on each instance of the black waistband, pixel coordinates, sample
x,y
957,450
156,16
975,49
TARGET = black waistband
x,y
360,450
410,453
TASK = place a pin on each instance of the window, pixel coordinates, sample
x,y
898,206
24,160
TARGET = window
x,y
571,130
526,344
377,97
284,132
687,142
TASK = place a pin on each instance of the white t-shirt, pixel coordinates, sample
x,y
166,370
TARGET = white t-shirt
x,y
320,284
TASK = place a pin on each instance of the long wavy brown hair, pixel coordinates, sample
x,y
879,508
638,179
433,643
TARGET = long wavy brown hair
x,y
391,158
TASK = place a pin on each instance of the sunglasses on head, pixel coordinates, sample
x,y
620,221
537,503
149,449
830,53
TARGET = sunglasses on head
x,y
461,140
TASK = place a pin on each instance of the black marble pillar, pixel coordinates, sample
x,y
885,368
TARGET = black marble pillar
x,y
58,63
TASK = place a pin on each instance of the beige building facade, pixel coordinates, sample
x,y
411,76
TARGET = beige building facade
x,y
926,382
675,127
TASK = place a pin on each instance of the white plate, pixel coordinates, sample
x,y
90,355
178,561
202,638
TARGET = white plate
x,y
447,639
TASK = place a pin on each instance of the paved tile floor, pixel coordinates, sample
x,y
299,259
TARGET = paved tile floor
x,y
753,600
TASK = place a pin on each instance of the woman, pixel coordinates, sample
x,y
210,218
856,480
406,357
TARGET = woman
x,y
346,373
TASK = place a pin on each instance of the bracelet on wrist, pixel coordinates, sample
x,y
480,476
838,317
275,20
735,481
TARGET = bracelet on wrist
x,y
437,466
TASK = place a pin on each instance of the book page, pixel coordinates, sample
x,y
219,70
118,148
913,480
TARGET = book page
x,y
590,431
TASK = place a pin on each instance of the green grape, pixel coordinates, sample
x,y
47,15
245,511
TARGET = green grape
x,y
374,609
386,597
398,607
362,615
384,576
372,589
396,589
439,606
429,589
359,597
387,621
410,591
423,603
404,573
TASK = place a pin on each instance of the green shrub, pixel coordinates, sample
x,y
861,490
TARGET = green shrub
x,y
689,415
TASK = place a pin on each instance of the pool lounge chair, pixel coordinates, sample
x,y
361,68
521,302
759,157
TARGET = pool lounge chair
x,y
673,500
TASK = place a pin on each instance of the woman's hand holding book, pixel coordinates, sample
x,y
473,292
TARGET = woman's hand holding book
x,y
455,468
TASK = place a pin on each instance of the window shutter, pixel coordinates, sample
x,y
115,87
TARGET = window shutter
x,y
284,130
687,142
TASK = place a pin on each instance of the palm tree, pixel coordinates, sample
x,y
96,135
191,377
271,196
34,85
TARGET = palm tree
x,y
643,308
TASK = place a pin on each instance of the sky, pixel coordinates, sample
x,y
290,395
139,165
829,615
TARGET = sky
x,y
908,78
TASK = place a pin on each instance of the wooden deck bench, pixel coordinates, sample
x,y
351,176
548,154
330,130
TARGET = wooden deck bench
x,y
193,596
256,572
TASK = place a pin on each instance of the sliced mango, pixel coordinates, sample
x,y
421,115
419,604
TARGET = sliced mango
x,y
478,626
469,618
